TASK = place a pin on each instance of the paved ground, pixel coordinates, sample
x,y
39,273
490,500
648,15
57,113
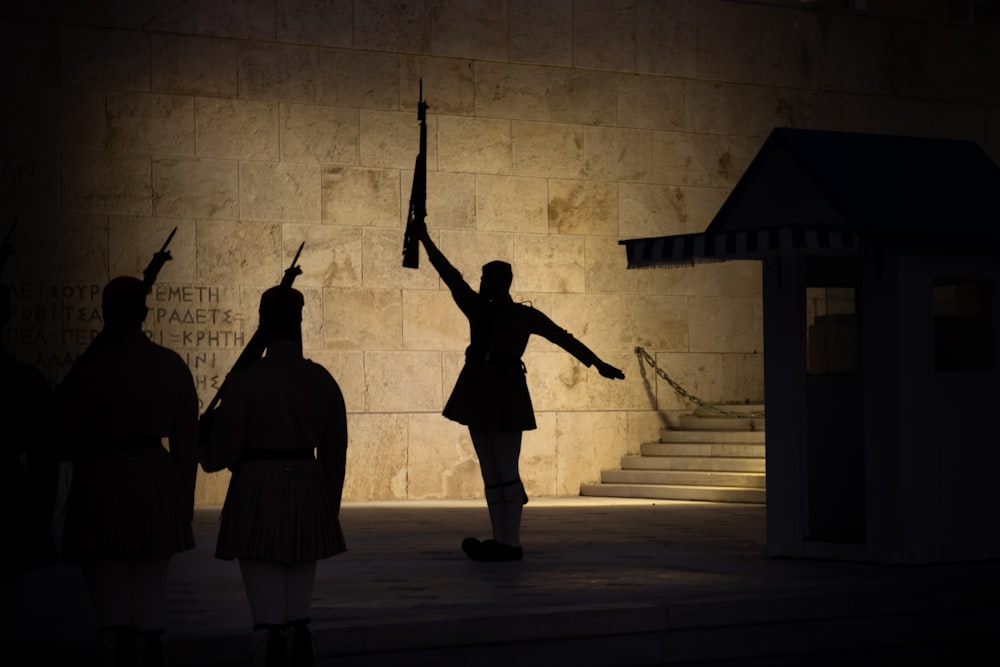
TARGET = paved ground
x,y
604,582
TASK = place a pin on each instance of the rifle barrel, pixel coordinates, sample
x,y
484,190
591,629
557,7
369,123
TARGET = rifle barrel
x,y
418,191
297,253
167,242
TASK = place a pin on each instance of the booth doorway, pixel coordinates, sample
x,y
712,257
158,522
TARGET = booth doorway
x,y
834,477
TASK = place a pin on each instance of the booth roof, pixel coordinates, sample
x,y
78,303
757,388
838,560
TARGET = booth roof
x,y
821,191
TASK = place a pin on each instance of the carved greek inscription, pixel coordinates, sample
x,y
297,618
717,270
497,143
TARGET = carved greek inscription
x,y
51,324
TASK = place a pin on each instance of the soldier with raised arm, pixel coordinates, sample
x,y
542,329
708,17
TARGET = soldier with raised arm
x,y
281,429
491,394
131,499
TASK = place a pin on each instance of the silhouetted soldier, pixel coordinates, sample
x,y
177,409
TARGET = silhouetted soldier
x,y
281,513
491,394
28,477
131,501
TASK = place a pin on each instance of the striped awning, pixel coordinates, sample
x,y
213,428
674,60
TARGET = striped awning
x,y
825,192
690,249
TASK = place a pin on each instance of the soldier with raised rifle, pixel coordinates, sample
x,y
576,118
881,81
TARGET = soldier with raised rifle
x,y
130,502
491,394
280,427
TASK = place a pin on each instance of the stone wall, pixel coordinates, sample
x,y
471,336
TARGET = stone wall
x,y
555,129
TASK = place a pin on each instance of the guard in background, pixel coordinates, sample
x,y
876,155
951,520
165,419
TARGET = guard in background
x,y
281,512
130,502
491,394
28,478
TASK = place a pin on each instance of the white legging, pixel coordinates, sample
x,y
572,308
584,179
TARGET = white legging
x,y
277,593
127,593
499,453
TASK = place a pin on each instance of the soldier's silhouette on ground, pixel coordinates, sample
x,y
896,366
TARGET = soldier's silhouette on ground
x,y
281,511
130,501
491,394
28,480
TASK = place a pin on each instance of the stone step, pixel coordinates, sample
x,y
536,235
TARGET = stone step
x,y
748,409
720,423
708,457
705,449
685,478
713,463
716,494
671,435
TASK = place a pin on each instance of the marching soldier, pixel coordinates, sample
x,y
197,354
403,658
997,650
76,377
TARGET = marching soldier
x,y
281,428
130,502
491,394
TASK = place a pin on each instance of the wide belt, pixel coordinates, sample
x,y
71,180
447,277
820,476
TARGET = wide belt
x,y
496,360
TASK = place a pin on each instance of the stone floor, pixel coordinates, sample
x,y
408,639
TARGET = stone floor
x,y
604,582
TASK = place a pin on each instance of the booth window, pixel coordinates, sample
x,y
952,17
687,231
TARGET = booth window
x,y
963,325
831,330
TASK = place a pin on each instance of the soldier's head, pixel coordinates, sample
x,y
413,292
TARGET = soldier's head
x,y
496,279
123,303
281,314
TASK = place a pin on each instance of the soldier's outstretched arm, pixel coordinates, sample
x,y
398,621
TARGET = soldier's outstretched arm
x,y
449,274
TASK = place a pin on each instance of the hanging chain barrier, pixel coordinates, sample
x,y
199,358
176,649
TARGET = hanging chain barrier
x,y
645,356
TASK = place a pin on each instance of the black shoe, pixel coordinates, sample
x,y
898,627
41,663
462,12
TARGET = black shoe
x,y
149,649
473,548
490,550
301,644
116,646
271,649
495,552
508,552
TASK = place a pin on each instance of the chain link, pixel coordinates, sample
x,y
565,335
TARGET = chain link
x,y
643,355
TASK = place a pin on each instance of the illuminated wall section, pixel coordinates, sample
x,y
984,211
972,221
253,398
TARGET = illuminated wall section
x,y
555,130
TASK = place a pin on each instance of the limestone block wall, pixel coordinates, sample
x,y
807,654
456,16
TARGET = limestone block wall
x,y
555,129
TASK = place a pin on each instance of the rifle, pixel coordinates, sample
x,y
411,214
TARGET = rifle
x,y
253,351
418,191
149,274
148,278
7,249
155,264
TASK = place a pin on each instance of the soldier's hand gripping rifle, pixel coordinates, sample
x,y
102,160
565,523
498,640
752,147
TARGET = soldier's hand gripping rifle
x,y
253,351
418,192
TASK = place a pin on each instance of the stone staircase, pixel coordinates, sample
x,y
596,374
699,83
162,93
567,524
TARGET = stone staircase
x,y
708,457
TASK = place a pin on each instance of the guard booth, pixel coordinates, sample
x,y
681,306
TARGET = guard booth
x,y
880,261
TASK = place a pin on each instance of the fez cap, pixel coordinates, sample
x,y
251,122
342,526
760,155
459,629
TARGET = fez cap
x,y
286,299
499,268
